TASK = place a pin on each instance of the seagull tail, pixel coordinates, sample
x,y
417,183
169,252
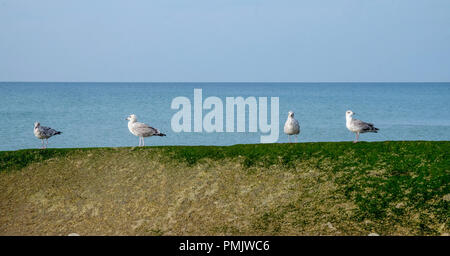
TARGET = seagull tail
x,y
375,129
57,133
160,134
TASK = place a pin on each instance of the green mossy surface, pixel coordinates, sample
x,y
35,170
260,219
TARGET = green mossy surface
x,y
323,188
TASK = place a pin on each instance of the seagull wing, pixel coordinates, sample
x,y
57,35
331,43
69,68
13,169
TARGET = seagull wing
x,y
47,131
146,130
363,126
296,123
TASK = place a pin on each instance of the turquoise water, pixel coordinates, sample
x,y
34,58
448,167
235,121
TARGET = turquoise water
x,y
93,114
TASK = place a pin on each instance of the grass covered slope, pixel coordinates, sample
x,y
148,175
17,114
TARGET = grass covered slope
x,y
390,188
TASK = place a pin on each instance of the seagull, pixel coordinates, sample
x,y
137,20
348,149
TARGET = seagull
x,y
358,126
141,130
44,133
291,127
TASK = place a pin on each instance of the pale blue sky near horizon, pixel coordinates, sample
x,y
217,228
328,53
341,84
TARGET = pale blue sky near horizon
x,y
225,41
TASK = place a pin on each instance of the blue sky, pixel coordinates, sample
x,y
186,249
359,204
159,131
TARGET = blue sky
x,y
225,40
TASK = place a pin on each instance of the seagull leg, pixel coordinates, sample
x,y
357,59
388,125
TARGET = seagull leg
x,y
296,138
143,142
139,141
357,137
42,143
289,138
46,144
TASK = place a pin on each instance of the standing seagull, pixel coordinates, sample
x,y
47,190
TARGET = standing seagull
x,y
141,130
44,133
358,126
291,127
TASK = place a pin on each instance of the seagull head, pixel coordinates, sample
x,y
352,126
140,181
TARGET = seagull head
x,y
132,118
349,113
291,114
36,124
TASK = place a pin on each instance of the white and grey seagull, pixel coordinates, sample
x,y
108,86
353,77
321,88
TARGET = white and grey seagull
x,y
357,126
44,133
291,127
141,130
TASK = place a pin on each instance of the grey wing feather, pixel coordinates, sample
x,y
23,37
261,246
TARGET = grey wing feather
x,y
363,126
49,131
146,129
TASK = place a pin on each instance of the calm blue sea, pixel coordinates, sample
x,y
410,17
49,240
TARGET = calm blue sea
x,y
93,114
